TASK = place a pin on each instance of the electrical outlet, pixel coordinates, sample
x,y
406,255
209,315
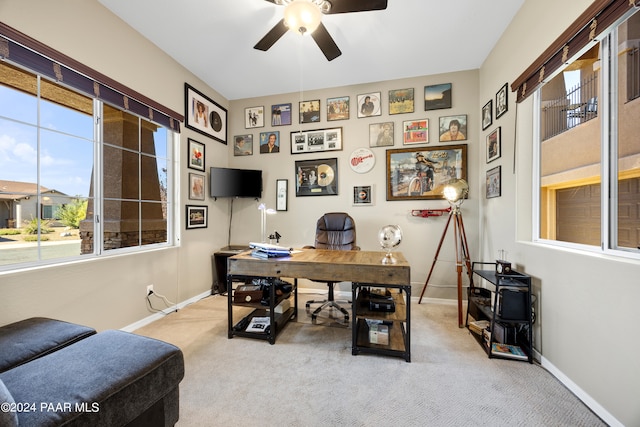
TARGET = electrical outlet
x,y
149,289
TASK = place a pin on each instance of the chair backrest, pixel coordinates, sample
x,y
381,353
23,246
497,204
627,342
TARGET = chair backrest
x,y
336,231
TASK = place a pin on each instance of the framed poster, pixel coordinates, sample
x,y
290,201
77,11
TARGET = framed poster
x,y
243,145
422,173
282,194
453,128
313,141
437,97
309,111
196,216
196,186
280,114
494,182
381,134
195,155
363,195
338,108
369,105
493,145
316,177
401,101
204,115
253,117
415,132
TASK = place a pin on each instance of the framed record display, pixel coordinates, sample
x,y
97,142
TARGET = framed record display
x,y
310,141
316,177
204,115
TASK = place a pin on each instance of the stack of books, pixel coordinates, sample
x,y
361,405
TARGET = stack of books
x,y
478,326
267,250
510,351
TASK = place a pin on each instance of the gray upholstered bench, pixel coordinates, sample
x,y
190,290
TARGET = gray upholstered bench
x,y
113,378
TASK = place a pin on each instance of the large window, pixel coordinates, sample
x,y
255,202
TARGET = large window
x,y
589,150
78,177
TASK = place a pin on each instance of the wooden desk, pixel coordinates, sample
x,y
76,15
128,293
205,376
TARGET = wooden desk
x,y
326,265
362,268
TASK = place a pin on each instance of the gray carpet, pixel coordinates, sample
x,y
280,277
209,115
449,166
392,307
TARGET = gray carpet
x,y
310,378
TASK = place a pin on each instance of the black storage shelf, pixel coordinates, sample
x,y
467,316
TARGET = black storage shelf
x,y
277,321
483,305
398,321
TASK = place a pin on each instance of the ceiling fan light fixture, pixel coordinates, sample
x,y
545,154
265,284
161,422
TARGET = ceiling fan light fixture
x,y
302,16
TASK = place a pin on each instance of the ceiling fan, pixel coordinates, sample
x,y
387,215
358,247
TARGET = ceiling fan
x,y
305,17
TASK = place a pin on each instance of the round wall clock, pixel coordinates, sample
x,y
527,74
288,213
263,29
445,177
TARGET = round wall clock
x,y
362,160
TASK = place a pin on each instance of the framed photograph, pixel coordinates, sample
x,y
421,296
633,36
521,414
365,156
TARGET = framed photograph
x,y
317,177
195,154
501,101
453,128
270,142
338,108
493,145
422,173
437,97
313,141
280,114
369,105
401,101
204,115
309,111
494,182
381,134
282,194
196,216
363,195
415,132
487,115
196,186
253,117
243,145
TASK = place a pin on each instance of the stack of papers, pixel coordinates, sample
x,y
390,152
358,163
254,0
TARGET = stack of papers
x,y
267,250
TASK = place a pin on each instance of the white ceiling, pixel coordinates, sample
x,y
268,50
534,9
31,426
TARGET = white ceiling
x,y
214,40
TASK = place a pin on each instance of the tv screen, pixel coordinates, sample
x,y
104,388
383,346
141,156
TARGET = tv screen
x,y
228,182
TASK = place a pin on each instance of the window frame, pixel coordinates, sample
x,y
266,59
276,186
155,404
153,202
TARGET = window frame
x,y
608,111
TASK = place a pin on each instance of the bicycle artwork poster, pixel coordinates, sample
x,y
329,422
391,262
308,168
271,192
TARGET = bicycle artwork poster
x,y
422,173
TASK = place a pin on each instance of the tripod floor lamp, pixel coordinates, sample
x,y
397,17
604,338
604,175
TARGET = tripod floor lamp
x,y
455,193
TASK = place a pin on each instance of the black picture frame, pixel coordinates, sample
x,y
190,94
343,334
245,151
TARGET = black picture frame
x,y
317,177
438,97
212,120
494,182
369,105
502,101
401,101
196,216
309,111
282,194
316,140
494,145
338,108
487,114
196,158
281,114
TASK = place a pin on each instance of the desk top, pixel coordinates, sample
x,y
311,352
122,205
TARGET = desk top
x,y
326,265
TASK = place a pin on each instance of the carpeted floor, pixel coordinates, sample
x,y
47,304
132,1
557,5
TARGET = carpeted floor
x,y
310,378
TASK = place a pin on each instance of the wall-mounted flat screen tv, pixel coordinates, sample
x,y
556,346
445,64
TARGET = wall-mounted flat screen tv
x,y
229,182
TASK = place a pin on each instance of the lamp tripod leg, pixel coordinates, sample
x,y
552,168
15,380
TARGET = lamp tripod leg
x,y
435,258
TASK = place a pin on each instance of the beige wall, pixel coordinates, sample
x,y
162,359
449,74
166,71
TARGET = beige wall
x,y
420,235
585,301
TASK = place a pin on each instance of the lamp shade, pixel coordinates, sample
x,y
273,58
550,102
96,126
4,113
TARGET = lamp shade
x,y
302,16
456,191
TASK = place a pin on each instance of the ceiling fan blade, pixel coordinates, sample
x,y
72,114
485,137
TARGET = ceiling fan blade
x,y
346,6
272,36
325,42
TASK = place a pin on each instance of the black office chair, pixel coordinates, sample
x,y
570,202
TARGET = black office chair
x,y
335,231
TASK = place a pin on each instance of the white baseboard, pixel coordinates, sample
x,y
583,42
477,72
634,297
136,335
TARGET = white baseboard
x,y
581,394
149,319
